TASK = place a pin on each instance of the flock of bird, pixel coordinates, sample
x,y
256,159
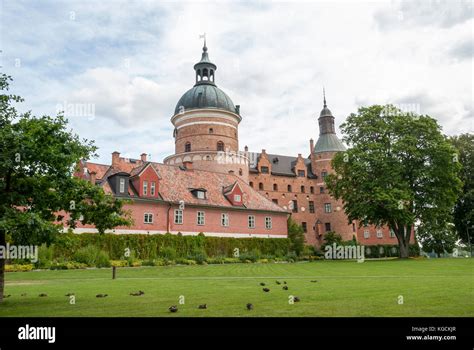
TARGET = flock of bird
x,y
174,308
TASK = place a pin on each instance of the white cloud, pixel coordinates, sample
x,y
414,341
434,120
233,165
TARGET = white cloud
x,y
133,61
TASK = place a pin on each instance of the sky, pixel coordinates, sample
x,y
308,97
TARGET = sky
x,y
118,68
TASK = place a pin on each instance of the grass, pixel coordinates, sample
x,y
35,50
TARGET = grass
x,y
431,287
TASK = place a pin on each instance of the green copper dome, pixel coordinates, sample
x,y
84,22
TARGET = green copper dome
x,y
205,96
205,93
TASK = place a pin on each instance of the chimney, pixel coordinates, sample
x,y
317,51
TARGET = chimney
x,y
93,177
188,165
115,159
246,148
299,155
311,147
143,157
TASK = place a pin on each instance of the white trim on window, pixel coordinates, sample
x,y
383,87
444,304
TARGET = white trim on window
x,y
178,216
147,218
237,198
268,222
152,188
366,234
200,218
122,185
225,219
145,188
251,221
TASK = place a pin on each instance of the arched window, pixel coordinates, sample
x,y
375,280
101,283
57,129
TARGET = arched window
x,y
275,187
220,146
211,131
205,74
251,184
187,147
302,189
260,186
289,188
212,75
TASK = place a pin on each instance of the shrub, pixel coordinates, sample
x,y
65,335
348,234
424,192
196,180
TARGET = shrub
x,y
70,265
168,253
45,257
296,236
119,263
18,267
199,255
92,256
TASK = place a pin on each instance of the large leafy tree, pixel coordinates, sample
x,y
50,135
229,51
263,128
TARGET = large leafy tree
x,y
38,156
464,208
399,170
437,237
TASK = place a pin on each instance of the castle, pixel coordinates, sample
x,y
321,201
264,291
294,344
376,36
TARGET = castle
x,y
209,185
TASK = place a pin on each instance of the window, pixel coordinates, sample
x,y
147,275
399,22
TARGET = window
x,y
311,189
200,218
327,207
178,216
122,185
311,207
289,188
295,206
327,226
225,219
321,190
237,198
260,186
301,173
187,147
275,201
220,146
305,228
251,184
251,221
152,188
148,218
275,187
353,227
241,172
323,175
268,222
379,233
200,194
302,189
211,131
366,234
145,188
264,170
392,233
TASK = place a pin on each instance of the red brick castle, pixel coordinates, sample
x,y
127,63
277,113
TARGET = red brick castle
x,y
208,185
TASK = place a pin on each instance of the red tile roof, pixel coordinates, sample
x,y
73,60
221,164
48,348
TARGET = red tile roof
x,y
176,183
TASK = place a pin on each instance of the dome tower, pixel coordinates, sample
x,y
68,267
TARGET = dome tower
x,y
206,125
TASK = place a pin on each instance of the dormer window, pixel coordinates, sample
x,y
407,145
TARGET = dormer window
x,y
237,198
152,188
301,173
199,193
264,170
122,185
145,188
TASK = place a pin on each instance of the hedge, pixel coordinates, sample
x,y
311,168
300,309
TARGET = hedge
x,y
149,247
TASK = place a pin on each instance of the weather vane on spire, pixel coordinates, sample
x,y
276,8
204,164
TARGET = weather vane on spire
x,y
203,36
324,96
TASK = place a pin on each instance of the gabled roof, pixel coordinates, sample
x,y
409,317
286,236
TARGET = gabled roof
x,y
283,165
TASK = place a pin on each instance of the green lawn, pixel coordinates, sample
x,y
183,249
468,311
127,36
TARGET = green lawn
x,y
436,287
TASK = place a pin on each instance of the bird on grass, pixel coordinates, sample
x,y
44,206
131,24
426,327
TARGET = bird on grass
x,y
284,282
69,294
6,296
285,287
266,290
23,295
43,295
296,299
137,294
202,306
314,281
249,306
173,308
277,282
101,295
262,284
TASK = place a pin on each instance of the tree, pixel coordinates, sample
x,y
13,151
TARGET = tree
x,y
438,238
400,169
464,207
296,236
38,157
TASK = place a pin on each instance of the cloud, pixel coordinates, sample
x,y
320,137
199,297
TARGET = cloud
x,y
132,61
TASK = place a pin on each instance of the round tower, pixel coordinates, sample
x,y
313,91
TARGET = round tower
x,y
206,123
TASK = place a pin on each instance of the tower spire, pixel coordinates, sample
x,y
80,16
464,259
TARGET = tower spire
x,y
324,97
205,69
